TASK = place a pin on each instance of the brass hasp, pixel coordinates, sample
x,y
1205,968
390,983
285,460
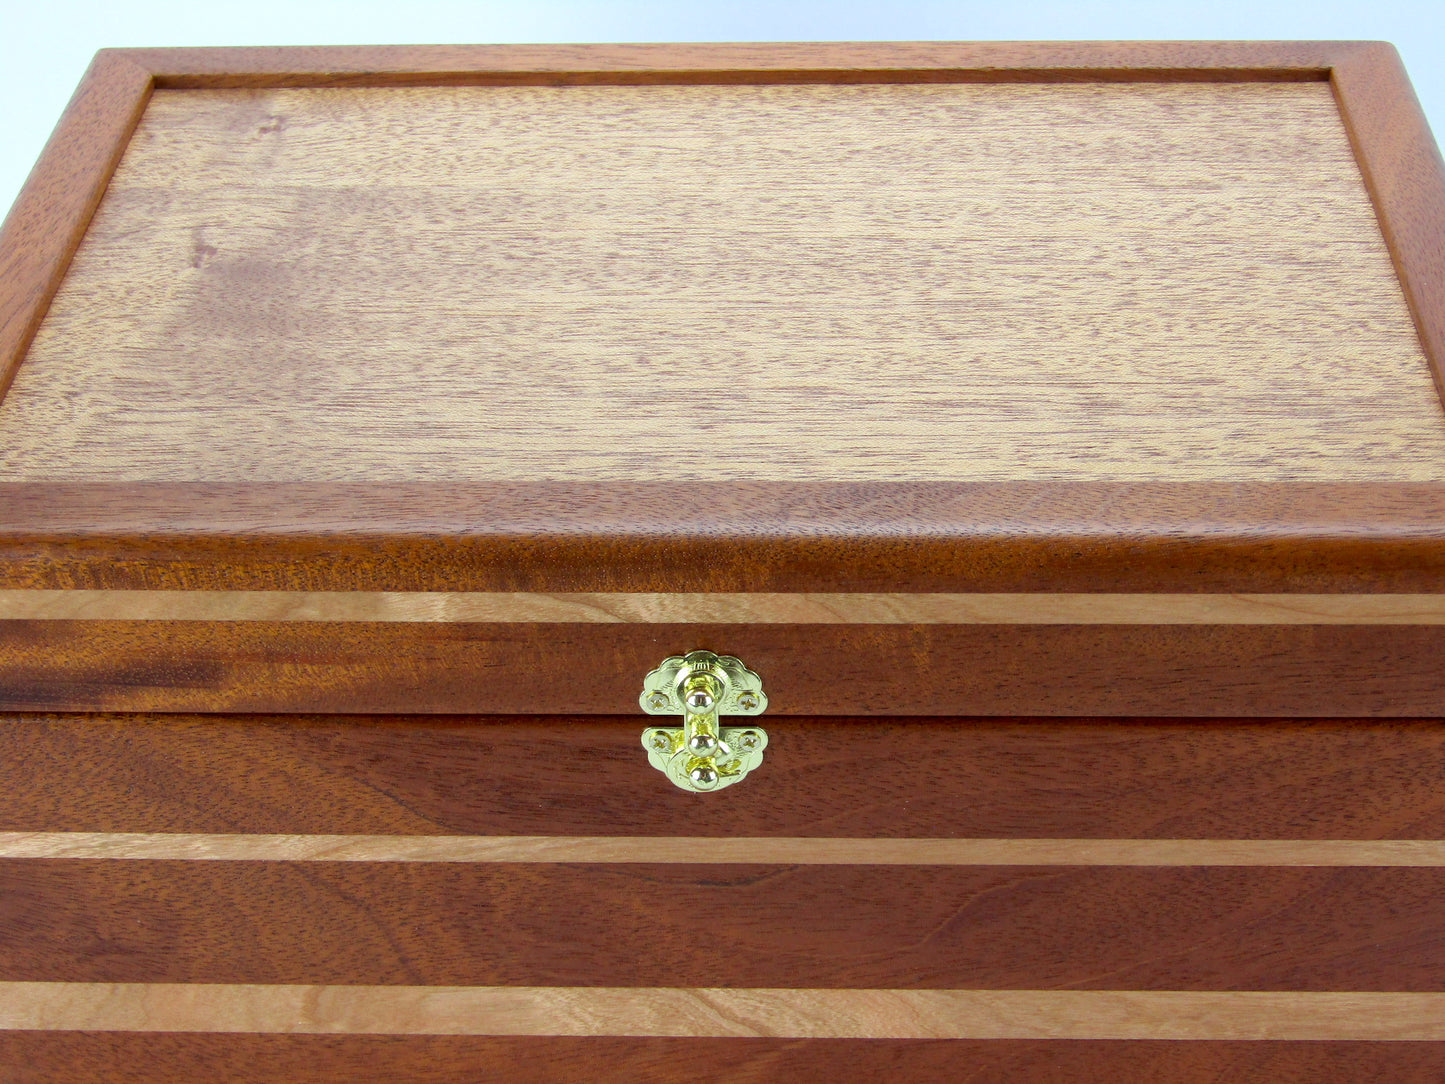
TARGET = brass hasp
x,y
700,755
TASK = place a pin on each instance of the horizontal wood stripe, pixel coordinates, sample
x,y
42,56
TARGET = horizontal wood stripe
x,y
805,851
930,669
1348,779
835,926
724,607
852,1014
552,536
117,1057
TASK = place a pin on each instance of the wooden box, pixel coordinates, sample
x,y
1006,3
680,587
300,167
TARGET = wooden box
x,y
1051,427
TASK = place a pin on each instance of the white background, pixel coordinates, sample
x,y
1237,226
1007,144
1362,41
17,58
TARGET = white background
x,y
45,46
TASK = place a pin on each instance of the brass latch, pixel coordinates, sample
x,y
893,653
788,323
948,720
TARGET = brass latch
x,y
700,755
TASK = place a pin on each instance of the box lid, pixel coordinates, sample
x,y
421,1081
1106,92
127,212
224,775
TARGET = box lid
x,y
869,337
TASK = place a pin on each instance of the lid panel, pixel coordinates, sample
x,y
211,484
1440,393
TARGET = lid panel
x,y
916,282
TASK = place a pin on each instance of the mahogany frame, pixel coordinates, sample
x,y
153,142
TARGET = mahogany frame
x,y
765,535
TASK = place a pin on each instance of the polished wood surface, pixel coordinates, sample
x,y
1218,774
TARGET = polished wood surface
x,y
820,608
1116,791
746,537
42,1057
1270,536
1027,779
927,669
518,271
610,924
752,63
40,234
705,850
1401,164
854,1014
1241,880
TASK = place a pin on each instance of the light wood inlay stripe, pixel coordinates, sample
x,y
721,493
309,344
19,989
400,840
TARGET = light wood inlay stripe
x,y
725,608
803,1014
684,849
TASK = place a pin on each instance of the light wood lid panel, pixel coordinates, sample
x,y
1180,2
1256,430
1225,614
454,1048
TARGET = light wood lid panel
x,y
881,282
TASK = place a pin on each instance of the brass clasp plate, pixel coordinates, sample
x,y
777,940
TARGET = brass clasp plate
x,y
700,686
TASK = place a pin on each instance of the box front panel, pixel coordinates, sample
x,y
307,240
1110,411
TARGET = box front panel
x,y
485,888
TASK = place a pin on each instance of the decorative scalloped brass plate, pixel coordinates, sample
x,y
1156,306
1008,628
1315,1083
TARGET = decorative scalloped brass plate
x,y
700,686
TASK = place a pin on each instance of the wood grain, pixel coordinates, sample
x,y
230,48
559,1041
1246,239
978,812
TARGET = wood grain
x,y
624,536
820,608
751,63
933,669
520,273
703,850
855,1014
1402,167
1351,779
48,1057
54,209
835,926
1000,780
790,537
